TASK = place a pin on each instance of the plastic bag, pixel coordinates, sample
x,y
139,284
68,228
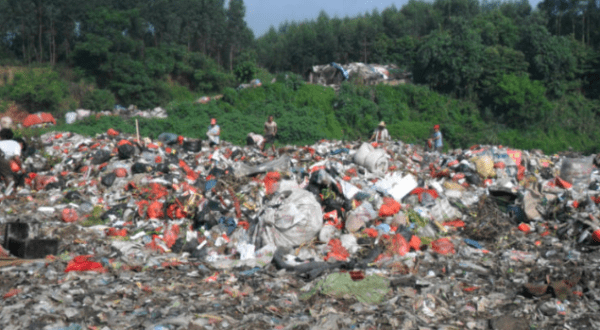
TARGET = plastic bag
x,y
389,207
82,264
120,172
155,210
170,235
126,151
485,166
168,138
271,180
291,219
577,171
109,179
141,168
192,146
69,215
100,156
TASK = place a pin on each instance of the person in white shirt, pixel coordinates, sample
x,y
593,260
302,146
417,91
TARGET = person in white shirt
x,y
213,133
255,140
11,150
380,134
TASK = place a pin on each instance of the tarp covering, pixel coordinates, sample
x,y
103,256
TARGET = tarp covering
x,y
38,119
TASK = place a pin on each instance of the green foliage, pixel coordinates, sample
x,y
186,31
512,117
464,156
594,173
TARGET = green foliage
x,y
98,100
245,71
522,100
38,89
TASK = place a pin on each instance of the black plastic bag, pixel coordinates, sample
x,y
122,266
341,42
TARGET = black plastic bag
x,y
126,151
141,168
100,156
192,146
109,179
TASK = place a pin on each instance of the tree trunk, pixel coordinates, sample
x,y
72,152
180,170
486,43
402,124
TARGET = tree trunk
x,y
231,58
583,29
41,53
23,38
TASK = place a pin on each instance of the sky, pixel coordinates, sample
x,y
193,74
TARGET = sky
x,y
261,14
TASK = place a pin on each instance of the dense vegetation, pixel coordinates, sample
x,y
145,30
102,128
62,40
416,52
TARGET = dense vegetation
x,y
489,72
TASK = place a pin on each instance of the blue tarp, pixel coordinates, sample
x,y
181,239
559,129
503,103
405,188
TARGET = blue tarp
x,y
339,67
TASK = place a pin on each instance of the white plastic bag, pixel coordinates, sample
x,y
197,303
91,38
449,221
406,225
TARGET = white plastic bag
x,y
292,218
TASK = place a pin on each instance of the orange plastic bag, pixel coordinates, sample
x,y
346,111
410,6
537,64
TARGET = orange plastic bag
x,y
83,264
69,215
112,132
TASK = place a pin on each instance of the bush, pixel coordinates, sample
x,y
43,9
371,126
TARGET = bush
x,y
98,100
245,71
38,89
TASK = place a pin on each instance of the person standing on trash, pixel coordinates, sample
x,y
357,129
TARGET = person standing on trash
x,y
11,150
270,133
213,133
380,134
436,139
255,140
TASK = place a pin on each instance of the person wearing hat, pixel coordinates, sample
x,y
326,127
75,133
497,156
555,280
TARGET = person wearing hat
x,y
213,133
380,134
436,138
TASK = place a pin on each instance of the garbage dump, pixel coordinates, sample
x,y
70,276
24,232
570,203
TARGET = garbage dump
x,y
334,74
109,232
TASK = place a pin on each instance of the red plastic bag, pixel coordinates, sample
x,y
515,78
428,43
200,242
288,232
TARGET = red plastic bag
x,y
337,251
83,264
442,246
399,245
174,211
524,227
142,207
116,232
271,180
170,235
520,172
120,172
415,242
41,181
371,232
123,142
389,207
112,132
157,191
563,183
155,210
14,166
69,215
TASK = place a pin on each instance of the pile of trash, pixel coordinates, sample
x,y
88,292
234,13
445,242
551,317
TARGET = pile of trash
x,y
111,232
334,74
131,111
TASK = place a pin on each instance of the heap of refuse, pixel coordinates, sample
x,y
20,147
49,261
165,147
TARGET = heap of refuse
x,y
111,232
